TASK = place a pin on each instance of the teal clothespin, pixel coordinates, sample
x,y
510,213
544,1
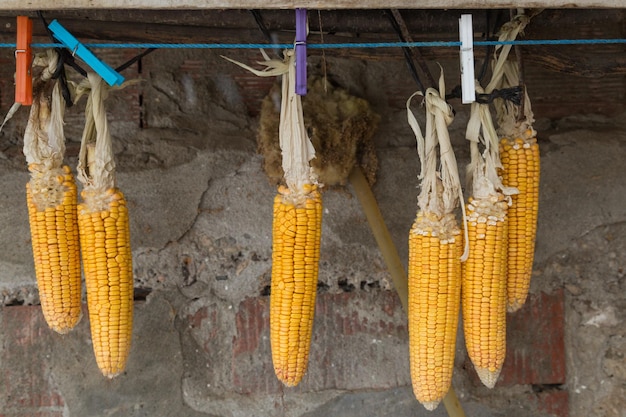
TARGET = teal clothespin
x,y
107,73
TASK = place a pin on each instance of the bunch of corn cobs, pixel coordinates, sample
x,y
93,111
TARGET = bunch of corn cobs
x,y
493,275
62,230
480,268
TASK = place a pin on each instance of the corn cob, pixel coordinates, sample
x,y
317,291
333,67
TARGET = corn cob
x,y
484,286
51,200
435,253
296,232
434,298
520,161
104,238
107,262
295,257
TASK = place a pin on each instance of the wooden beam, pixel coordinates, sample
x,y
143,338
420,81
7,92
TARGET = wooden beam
x,y
420,22
291,4
423,25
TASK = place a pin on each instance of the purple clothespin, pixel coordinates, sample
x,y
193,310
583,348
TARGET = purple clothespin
x,y
300,48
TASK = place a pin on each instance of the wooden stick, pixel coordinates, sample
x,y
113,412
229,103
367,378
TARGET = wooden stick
x,y
452,404
392,259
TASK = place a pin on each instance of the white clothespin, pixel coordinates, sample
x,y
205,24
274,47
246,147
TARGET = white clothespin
x,y
466,35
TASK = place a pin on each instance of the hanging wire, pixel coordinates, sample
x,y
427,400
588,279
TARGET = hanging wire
x,y
258,18
489,49
134,59
407,52
261,24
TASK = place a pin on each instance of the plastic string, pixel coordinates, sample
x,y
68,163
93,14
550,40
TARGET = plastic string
x,y
329,45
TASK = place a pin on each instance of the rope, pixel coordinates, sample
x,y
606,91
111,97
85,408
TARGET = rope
x,y
328,45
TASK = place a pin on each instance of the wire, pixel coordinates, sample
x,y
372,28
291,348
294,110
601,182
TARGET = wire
x,y
134,59
327,45
551,42
256,13
407,52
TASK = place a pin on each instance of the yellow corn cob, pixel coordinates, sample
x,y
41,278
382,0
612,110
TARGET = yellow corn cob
x,y
107,262
51,200
434,298
520,161
484,287
295,258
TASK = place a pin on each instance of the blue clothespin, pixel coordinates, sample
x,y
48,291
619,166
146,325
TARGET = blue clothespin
x,y
300,47
107,73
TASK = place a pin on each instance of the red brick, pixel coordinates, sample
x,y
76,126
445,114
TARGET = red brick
x,y
195,320
253,90
251,350
27,389
250,321
536,342
554,402
196,68
359,342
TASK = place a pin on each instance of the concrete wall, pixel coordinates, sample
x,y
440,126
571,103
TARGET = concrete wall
x,y
200,208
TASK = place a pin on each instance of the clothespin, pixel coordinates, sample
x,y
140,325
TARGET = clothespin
x,y
23,61
107,73
466,35
300,47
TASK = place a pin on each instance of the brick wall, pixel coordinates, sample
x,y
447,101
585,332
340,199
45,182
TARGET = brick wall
x,y
355,334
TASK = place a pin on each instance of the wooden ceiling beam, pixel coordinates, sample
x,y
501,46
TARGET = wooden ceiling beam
x,y
291,4
423,25
354,21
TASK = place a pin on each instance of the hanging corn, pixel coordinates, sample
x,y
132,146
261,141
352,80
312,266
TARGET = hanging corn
x,y
484,271
435,251
51,200
296,234
519,153
105,239
483,298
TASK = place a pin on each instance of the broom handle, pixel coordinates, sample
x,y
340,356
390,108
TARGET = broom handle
x,y
392,259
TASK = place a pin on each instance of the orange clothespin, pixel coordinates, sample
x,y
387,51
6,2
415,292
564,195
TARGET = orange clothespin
x,y
23,61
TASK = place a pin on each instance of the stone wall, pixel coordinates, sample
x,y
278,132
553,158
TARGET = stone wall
x,y
200,213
